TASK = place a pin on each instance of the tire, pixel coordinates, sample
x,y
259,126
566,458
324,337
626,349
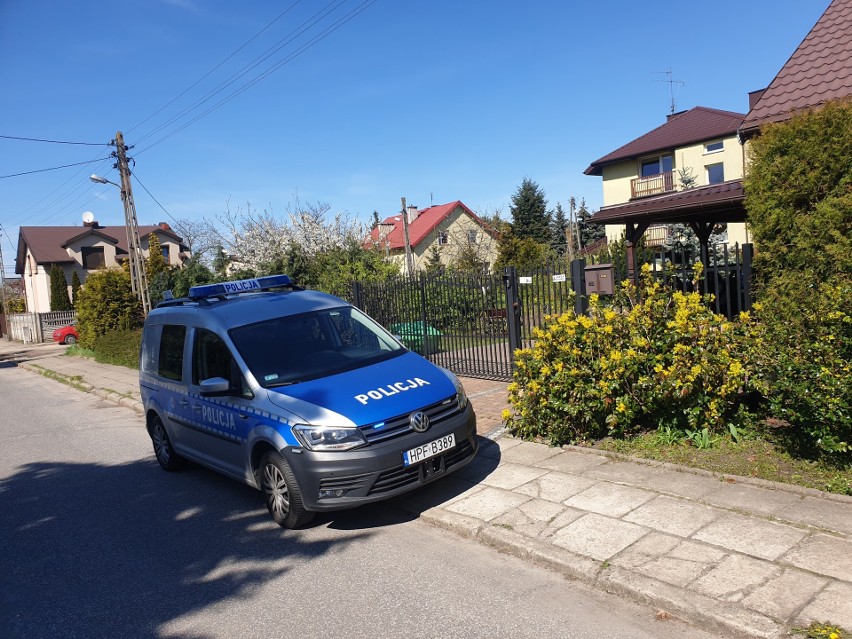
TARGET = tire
x,y
163,450
281,492
70,339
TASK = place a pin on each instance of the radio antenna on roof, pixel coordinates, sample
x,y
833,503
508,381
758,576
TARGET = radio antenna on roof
x,y
672,84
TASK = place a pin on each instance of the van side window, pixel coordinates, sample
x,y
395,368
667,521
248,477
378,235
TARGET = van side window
x,y
148,350
171,352
211,357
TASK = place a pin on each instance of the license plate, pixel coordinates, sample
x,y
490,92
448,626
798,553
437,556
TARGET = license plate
x,y
428,450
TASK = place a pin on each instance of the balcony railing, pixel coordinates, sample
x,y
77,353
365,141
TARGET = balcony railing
x,y
652,184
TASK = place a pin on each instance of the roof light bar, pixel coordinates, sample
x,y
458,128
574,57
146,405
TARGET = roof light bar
x,y
240,286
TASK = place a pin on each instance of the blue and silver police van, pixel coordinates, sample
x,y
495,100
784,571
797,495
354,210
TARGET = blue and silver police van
x,y
299,394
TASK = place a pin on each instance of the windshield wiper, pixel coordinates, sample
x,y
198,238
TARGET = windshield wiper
x,y
277,384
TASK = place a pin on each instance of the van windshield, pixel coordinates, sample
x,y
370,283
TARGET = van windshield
x,y
298,348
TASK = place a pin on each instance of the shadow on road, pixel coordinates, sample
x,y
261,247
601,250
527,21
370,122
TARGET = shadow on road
x,y
92,550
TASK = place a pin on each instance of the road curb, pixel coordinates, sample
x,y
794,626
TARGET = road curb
x,y
692,608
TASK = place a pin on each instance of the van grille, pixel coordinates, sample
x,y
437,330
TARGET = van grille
x,y
400,425
400,476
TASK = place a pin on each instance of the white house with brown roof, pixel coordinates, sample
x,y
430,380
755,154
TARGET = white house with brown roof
x,y
81,249
453,229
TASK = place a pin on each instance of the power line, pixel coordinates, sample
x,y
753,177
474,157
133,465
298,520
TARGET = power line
x,y
151,195
263,75
54,168
245,69
15,137
206,75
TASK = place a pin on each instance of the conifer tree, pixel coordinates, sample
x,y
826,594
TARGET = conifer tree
x,y
75,287
59,300
529,213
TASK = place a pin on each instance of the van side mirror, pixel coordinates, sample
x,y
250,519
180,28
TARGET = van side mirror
x,y
214,386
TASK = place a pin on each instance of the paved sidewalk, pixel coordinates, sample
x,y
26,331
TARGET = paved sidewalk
x,y
738,556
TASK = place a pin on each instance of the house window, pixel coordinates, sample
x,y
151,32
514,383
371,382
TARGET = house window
x,y
472,236
715,173
656,165
93,257
443,238
165,250
712,147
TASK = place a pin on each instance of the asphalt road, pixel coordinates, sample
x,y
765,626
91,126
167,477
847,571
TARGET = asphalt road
x,y
97,541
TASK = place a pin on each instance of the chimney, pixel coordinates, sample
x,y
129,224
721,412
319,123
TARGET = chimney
x,y
411,211
93,224
165,226
673,115
754,96
385,229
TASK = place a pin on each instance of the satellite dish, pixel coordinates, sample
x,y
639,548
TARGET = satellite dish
x,y
88,217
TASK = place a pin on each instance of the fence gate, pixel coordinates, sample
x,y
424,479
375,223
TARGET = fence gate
x,y
458,321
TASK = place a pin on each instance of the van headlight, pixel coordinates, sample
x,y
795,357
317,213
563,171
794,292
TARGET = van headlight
x,y
462,395
325,438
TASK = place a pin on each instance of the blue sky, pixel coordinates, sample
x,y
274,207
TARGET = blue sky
x,y
433,100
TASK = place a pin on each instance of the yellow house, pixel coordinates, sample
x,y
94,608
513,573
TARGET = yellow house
x,y
456,234
696,150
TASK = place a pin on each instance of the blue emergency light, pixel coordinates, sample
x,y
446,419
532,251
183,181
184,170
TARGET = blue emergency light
x,y
240,286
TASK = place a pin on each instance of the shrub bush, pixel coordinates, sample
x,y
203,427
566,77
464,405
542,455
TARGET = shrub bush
x,y
802,361
106,303
661,359
120,348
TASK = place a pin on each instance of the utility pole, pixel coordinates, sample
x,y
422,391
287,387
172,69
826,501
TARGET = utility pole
x,y
409,258
138,277
3,289
569,233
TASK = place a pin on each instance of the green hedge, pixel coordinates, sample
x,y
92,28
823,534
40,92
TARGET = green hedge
x,y
120,348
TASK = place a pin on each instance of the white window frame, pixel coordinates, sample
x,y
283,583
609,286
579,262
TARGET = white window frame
x,y
709,151
443,238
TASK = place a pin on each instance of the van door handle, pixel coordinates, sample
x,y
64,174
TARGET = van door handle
x,y
183,403
196,408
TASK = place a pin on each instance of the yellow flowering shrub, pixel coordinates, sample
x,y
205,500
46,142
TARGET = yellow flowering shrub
x,y
658,359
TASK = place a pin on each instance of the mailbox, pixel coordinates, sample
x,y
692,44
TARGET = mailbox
x,y
599,279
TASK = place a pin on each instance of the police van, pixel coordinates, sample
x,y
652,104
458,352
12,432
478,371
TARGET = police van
x,y
299,394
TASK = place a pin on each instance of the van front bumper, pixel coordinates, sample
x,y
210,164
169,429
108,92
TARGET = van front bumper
x,y
377,471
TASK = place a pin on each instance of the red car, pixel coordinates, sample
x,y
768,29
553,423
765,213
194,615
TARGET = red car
x,y
66,335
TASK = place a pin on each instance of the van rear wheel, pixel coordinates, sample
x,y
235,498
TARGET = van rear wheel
x,y
281,492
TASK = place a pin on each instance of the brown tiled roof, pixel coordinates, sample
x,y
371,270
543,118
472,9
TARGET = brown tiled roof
x,y
818,71
47,242
717,203
690,127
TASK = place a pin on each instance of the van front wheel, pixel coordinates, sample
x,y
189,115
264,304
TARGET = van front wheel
x,y
281,492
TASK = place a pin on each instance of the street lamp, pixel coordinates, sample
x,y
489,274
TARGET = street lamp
x,y
102,180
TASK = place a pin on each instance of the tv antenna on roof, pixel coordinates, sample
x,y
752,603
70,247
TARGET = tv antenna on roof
x,y
672,84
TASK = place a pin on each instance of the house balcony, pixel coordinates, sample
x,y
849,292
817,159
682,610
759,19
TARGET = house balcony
x,y
652,185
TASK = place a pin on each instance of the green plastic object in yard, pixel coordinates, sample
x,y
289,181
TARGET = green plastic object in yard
x,y
417,339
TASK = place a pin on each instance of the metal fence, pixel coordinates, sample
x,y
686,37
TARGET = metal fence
x,y
472,323
37,327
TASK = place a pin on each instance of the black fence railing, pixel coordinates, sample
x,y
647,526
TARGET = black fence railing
x,y
472,323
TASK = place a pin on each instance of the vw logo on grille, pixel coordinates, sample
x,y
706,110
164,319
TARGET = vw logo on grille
x,y
419,421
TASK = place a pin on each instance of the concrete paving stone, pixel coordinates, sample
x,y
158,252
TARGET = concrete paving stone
x,y
784,595
734,577
750,535
681,483
529,453
751,498
477,469
572,462
823,555
510,476
556,487
820,513
833,605
496,448
597,536
623,472
670,559
674,516
609,499
441,493
488,503
538,518
712,615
